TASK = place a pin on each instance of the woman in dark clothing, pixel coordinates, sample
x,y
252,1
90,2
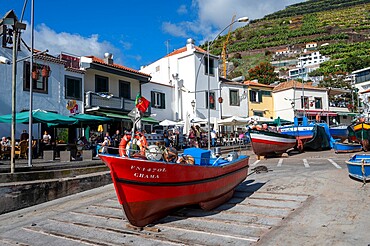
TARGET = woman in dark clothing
x,y
165,139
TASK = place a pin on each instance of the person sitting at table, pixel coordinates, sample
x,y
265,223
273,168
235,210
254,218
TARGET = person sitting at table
x,y
24,135
83,144
4,143
103,147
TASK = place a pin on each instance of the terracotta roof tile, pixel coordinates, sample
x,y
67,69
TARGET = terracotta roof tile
x,y
291,83
183,49
252,83
101,61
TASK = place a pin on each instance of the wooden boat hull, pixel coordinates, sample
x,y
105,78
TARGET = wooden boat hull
x,y
150,190
360,132
359,167
266,143
347,147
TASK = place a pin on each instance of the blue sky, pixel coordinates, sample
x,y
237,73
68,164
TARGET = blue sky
x,y
134,31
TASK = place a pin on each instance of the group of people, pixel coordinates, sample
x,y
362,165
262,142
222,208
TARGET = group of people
x,y
120,142
136,145
198,139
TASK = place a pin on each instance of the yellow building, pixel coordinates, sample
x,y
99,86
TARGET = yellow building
x,y
260,101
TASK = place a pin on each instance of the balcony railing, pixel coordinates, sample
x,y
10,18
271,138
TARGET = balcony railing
x,y
106,100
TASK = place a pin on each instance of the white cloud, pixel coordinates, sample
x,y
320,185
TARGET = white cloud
x,y
182,10
46,38
174,30
214,15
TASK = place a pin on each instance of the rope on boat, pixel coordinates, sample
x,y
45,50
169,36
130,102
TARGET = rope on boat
x,y
363,172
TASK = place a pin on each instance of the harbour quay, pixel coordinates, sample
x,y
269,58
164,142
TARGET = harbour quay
x,y
298,199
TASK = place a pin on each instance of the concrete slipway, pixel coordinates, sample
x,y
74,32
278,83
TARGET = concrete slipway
x,y
306,199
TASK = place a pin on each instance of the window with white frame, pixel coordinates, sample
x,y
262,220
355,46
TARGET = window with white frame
x,y
255,96
211,66
158,100
234,98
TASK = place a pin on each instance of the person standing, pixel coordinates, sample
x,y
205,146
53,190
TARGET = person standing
x,y
214,138
116,139
166,139
24,135
46,138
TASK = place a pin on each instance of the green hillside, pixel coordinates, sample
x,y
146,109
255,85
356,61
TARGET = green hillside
x,y
342,25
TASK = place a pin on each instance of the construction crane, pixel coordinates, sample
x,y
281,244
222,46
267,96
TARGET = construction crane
x,y
223,53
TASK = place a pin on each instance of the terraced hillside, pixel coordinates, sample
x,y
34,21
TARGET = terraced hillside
x,y
343,26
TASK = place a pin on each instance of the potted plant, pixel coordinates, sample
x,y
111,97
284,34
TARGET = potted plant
x,y
45,72
35,74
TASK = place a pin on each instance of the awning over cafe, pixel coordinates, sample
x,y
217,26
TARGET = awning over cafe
x,y
317,112
348,114
39,116
150,120
89,118
117,116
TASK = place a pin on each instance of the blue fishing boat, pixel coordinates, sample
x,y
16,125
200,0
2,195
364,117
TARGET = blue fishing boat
x,y
347,147
339,132
359,167
309,135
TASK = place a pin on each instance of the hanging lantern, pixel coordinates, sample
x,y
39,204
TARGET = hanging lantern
x,y
220,99
35,74
45,72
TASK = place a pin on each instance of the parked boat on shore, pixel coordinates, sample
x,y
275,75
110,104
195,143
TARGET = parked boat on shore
x,y
149,190
265,143
360,132
321,139
309,135
359,167
347,147
339,132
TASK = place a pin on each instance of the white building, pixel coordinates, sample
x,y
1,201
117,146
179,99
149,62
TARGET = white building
x,y
307,62
234,99
361,81
50,93
186,71
291,98
160,96
309,58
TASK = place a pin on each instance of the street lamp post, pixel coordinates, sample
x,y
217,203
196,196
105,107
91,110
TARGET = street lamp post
x,y
31,89
193,105
209,44
17,26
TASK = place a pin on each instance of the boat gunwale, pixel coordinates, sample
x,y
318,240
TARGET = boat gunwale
x,y
273,134
183,183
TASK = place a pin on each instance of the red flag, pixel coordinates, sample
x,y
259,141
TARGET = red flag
x,y
142,104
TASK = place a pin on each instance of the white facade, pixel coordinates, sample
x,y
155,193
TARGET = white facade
x,y
52,96
311,58
159,113
361,80
185,70
288,103
229,106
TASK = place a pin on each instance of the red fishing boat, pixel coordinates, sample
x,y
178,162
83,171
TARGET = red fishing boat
x,y
148,190
266,143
